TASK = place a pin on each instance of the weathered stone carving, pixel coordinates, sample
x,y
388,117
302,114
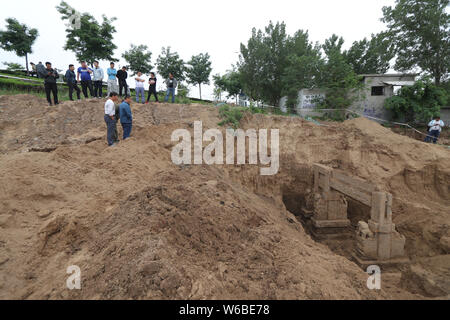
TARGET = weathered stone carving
x,y
377,240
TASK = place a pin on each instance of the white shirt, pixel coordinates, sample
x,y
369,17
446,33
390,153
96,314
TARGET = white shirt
x,y
140,84
436,125
110,108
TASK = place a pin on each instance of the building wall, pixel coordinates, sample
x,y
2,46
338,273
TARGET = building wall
x,y
365,103
306,102
445,116
373,106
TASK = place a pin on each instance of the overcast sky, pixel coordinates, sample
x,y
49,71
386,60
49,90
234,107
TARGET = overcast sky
x,y
192,27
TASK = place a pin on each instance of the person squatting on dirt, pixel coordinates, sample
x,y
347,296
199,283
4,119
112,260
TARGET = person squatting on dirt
x,y
152,88
99,75
436,126
126,117
122,75
86,82
50,75
171,87
71,80
140,91
110,118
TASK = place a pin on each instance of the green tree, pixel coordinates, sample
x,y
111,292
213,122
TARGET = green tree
x,y
170,62
11,66
18,38
417,103
420,32
337,77
303,67
138,59
230,83
262,62
218,87
198,70
371,56
90,40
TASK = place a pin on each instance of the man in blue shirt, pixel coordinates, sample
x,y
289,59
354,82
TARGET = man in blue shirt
x,y
112,82
98,80
86,82
126,118
71,80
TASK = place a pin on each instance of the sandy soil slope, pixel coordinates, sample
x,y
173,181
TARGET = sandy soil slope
x,y
141,227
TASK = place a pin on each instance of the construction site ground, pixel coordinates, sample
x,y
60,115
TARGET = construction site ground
x,y
140,227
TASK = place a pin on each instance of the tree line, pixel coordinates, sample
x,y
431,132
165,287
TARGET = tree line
x,y
273,64
91,40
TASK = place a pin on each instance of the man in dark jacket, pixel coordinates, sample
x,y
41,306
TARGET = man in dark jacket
x,y
172,85
122,75
126,118
152,88
71,80
40,68
50,75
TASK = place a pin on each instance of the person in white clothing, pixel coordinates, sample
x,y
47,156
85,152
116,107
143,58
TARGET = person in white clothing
x,y
140,92
110,118
435,126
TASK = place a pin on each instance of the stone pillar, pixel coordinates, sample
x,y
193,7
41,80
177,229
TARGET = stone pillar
x,y
381,223
329,218
330,210
322,177
378,240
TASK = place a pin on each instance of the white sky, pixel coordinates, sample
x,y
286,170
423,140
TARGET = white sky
x,y
191,27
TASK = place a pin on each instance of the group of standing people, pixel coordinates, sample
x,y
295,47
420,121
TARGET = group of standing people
x,y
113,114
91,81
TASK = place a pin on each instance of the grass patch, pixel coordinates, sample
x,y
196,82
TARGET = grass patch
x,y
63,95
232,116
16,86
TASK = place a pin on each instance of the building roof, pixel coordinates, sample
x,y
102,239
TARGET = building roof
x,y
399,83
389,75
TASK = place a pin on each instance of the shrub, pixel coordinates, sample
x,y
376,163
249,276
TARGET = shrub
x,y
418,103
231,116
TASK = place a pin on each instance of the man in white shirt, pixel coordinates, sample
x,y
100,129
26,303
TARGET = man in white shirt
x,y
140,80
435,126
110,118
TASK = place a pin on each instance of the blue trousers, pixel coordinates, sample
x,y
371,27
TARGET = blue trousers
x,y
140,92
170,91
433,135
111,129
127,127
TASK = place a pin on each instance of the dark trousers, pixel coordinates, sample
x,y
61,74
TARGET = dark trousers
x,y
87,84
152,91
98,89
123,85
111,126
74,86
127,127
433,135
51,88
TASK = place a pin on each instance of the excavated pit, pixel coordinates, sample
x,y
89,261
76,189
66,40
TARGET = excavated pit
x,y
140,227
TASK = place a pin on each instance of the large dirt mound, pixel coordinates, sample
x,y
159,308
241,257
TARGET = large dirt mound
x,y
140,227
